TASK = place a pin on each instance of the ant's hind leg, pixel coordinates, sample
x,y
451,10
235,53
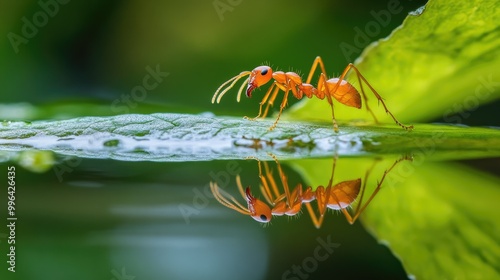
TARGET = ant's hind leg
x,y
335,125
366,100
380,99
360,209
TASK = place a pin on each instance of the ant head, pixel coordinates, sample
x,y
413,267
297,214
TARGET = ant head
x,y
259,210
259,76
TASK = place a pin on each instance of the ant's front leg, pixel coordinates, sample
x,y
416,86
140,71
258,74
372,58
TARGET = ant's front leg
x,y
274,89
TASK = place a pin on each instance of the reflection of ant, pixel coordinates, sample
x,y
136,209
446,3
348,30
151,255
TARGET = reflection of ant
x,y
337,197
338,88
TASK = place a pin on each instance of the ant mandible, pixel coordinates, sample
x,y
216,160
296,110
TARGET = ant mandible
x,y
337,197
338,88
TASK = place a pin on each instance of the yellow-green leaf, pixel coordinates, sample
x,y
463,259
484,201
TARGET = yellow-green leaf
x,y
443,59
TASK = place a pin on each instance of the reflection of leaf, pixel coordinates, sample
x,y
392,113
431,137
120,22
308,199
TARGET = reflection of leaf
x,y
437,62
441,220
176,137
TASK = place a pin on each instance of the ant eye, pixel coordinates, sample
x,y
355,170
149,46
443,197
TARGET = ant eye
x,y
263,72
263,217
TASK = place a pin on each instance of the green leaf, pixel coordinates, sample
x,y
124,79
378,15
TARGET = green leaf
x,y
182,137
443,59
440,219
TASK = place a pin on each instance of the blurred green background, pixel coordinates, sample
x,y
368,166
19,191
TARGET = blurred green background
x,y
98,51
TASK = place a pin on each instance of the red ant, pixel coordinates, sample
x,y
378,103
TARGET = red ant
x,y
338,88
337,197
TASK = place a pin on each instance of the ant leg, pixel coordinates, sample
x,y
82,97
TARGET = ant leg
x,y
266,180
410,127
283,104
324,91
377,189
367,174
264,188
273,97
322,198
333,170
275,93
322,84
274,186
335,125
270,178
317,61
271,101
284,181
266,96
317,222
366,100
